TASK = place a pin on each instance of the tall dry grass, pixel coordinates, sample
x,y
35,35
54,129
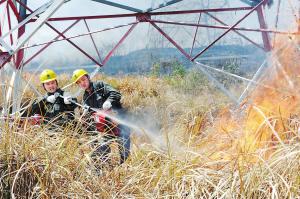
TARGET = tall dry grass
x,y
199,153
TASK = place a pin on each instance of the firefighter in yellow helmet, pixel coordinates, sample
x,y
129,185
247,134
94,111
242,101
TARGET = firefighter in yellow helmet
x,y
100,94
50,106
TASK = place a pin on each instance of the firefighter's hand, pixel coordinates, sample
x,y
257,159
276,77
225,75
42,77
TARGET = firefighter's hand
x,y
106,105
66,100
51,99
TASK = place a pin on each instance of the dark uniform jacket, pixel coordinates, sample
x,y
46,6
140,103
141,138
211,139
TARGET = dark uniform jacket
x,y
63,112
101,92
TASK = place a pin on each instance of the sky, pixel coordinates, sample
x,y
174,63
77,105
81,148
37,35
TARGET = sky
x,y
143,36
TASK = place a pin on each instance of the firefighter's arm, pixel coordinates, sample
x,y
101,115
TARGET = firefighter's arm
x,y
113,95
36,108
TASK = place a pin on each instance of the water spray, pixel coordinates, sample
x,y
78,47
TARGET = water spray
x,y
139,130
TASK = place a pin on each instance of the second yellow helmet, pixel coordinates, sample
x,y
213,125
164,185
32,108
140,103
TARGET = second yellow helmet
x,y
78,73
47,76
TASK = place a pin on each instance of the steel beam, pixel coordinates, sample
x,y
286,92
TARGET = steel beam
x,y
3,75
44,7
216,82
17,91
62,35
241,35
222,27
276,21
4,58
171,40
150,13
255,8
21,31
118,44
43,18
3,18
93,40
7,103
108,56
2,1
80,35
9,26
195,35
14,9
248,89
263,25
48,44
28,83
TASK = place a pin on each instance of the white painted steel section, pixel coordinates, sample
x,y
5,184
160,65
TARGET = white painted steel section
x,y
8,95
285,75
38,11
216,82
248,89
28,83
3,75
17,94
5,46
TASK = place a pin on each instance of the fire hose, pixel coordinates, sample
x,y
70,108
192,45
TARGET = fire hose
x,y
102,118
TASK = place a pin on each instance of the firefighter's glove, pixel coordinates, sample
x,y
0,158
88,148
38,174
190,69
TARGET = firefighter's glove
x,y
85,109
51,99
106,105
66,100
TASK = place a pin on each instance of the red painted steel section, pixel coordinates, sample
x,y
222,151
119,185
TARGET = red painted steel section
x,y
2,1
195,35
62,36
150,13
221,27
262,22
9,26
75,36
147,18
118,44
4,58
255,8
91,58
20,53
243,36
50,43
93,40
143,17
14,9
172,41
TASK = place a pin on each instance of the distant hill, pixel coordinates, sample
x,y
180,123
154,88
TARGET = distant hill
x,y
248,58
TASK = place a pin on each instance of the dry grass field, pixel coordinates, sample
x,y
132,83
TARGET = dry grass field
x,y
201,144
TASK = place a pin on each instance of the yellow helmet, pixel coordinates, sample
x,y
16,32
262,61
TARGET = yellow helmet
x,y
47,76
78,73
